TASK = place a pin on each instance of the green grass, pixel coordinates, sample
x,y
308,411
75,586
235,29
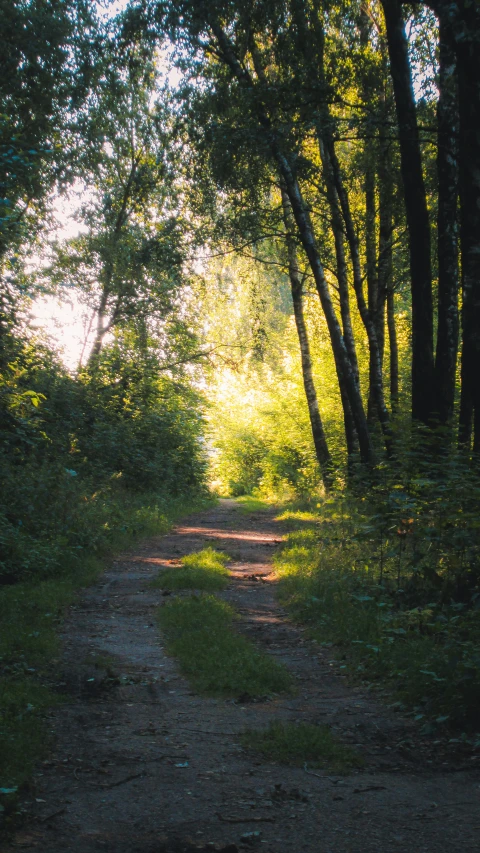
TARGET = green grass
x,y
301,743
249,503
22,733
29,618
30,615
203,570
426,655
215,658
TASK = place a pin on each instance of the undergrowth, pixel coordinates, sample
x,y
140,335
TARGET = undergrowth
x,y
301,743
205,570
213,656
380,587
250,503
29,619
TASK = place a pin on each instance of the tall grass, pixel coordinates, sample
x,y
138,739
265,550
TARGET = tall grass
x,y
386,624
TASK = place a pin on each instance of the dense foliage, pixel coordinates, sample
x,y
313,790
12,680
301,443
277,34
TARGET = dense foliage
x,y
273,242
71,447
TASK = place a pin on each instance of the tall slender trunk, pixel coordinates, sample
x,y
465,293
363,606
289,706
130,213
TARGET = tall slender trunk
x,y
416,212
313,39
393,344
306,233
447,231
385,293
467,37
372,275
345,372
367,318
342,271
101,330
385,229
318,433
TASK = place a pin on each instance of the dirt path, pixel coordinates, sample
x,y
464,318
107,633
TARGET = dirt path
x,y
141,764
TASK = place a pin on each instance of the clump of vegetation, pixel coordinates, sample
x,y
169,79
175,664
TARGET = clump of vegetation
x,y
214,657
301,743
23,736
205,569
253,503
392,584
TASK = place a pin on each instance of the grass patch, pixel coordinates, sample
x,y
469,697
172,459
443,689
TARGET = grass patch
x,y
297,518
301,743
205,570
22,733
30,614
248,503
216,660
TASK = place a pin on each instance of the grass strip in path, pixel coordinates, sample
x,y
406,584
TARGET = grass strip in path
x,y
301,743
216,660
202,570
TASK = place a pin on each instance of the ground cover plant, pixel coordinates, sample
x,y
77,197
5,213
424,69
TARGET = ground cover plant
x,y
392,584
205,569
30,615
218,661
254,503
302,744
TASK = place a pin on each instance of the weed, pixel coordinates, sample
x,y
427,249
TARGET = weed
x,y
299,743
202,570
216,659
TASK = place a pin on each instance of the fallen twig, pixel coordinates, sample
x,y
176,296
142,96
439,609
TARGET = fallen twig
x,y
369,788
320,776
204,732
123,781
51,816
245,819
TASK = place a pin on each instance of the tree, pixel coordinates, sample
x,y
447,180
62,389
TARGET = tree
x,y
296,286
417,214
127,263
46,65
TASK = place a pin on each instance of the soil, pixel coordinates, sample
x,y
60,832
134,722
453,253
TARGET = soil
x,y
143,765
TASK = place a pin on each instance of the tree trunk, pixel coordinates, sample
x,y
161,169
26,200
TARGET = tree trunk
x,y
372,277
100,332
342,272
467,39
367,318
385,254
447,170
385,232
345,372
392,338
318,433
416,212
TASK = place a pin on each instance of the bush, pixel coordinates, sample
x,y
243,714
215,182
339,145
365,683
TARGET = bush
x,y
75,452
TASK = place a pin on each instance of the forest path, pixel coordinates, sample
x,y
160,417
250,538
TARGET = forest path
x,y
141,764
